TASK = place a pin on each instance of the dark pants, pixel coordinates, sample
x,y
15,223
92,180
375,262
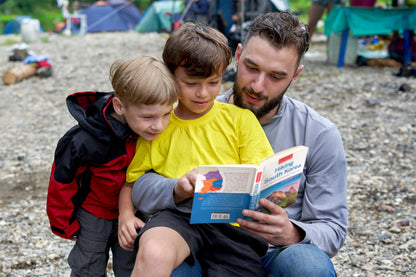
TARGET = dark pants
x,y
90,254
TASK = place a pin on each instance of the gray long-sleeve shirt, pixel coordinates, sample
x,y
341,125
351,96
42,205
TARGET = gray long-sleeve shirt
x,y
321,205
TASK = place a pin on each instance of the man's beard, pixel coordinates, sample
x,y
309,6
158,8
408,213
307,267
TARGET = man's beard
x,y
263,110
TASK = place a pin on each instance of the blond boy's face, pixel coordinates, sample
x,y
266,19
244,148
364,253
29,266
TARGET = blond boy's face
x,y
197,95
147,121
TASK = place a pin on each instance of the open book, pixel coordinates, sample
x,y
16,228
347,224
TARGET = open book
x,y
223,191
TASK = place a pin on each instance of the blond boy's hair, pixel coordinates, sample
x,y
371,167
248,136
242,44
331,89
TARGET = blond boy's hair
x,y
143,80
200,50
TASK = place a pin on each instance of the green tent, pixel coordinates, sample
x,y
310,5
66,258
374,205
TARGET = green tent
x,y
158,17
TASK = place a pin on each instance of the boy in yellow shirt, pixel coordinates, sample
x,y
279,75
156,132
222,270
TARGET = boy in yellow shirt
x,y
201,131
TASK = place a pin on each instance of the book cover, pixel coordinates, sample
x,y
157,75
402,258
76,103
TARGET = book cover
x,y
223,191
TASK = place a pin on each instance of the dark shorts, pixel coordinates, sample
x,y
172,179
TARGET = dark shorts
x,y
221,249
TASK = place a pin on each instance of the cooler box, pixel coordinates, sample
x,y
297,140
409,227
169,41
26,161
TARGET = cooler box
x,y
351,51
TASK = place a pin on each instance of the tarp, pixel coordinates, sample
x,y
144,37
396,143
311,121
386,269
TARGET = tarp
x,y
158,16
110,16
365,21
13,26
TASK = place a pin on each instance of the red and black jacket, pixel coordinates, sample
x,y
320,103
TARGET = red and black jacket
x,y
90,163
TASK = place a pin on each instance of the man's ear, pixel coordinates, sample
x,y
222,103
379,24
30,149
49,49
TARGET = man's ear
x,y
118,106
297,73
238,53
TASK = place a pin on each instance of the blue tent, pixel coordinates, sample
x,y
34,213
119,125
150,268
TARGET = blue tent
x,y
116,15
13,26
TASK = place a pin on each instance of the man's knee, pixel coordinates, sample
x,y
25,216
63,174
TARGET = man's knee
x,y
299,260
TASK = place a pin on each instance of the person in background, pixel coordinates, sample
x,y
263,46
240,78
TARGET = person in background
x,y
305,235
91,160
316,11
198,11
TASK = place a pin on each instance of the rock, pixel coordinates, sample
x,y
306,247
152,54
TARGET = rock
x,y
377,125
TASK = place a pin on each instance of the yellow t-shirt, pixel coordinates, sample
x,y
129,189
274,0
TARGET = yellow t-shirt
x,y
227,134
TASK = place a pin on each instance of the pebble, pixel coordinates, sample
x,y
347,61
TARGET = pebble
x,y
375,112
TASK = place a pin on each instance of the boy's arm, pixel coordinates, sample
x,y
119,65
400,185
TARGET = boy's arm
x,y
153,192
60,207
128,223
62,199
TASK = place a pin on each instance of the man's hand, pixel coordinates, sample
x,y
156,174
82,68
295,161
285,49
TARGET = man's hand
x,y
128,224
184,188
275,228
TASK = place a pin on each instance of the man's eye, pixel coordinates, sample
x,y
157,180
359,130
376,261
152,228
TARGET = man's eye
x,y
277,77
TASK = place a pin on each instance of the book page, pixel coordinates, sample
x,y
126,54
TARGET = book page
x,y
225,179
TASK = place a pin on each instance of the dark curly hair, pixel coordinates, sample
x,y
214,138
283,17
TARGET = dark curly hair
x,y
281,29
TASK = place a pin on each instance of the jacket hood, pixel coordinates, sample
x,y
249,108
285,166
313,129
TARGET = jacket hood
x,y
92,110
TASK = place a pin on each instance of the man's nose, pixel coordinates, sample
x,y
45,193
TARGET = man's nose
x,y
259,82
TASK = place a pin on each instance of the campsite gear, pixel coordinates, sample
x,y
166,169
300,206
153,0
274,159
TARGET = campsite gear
x,y
17,74
44,71
30,29
14,25
198,11
179,22
18,55
111,16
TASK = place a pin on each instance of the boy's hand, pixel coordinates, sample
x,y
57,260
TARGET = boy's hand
x,y
127,230
275,228
184,188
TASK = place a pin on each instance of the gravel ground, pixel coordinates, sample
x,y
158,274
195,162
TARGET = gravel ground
x,y
373,109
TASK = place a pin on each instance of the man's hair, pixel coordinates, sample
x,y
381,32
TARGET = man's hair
x,y
201,50
281,29
143,80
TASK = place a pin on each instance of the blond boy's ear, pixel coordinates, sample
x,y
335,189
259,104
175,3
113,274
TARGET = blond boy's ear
x,y
118,106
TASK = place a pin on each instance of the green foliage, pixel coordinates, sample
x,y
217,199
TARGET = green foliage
x,y
142,4
10,41
26,6
46,11
301,7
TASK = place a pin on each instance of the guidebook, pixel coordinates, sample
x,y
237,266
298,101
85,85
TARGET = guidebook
x,y
223,191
